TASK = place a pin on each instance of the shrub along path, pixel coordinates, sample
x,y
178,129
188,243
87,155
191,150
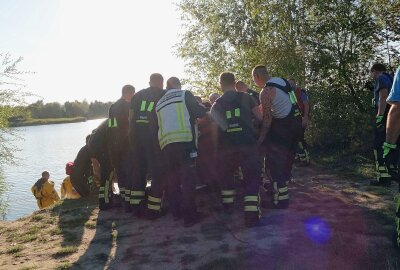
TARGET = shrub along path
x,y
332,223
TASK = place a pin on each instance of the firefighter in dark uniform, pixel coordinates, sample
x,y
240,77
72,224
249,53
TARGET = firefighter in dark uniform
x,y
118,146
382,86
81,177
304,106
146,149
237,146
99,150
280,132
177,112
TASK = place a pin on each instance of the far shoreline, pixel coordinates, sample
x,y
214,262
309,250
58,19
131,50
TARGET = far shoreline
x,y
48,121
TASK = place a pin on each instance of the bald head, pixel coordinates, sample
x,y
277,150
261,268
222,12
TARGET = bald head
x,y
260,75
156,80
241,86
174,83
213,97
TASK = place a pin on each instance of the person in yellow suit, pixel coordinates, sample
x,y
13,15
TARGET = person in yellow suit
x,y
44,191
67,190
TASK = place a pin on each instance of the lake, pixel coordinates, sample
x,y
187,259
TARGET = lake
x,y
43,148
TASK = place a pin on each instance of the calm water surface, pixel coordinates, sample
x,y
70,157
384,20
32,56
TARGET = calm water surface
x,y
43,148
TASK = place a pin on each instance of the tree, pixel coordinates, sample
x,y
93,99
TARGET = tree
x,y
328,46
11,101
11,95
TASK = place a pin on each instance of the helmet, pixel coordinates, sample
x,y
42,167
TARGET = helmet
x,y
69,168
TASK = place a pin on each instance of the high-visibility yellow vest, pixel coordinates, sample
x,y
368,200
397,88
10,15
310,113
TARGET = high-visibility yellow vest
x,y
173,118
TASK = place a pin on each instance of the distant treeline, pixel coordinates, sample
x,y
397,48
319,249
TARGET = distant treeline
x,y
40,110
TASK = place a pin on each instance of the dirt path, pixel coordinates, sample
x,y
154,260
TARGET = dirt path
x,y
332,223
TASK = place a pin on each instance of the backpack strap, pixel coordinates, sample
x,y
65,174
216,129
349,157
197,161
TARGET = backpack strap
x,y
287,88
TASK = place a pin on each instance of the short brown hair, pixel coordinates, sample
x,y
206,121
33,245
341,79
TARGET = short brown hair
x,y
127,89
227,78
260,70
378,67
155,77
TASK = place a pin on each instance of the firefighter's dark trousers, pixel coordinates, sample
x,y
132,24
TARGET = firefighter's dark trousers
x,y
181,175
146,160
124,175
280,146
229,160
383,177
105,189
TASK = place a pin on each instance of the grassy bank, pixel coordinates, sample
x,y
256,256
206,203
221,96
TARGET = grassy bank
x,y
47,121
350,165
355,224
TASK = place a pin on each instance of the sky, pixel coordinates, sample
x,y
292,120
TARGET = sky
x,y
89,49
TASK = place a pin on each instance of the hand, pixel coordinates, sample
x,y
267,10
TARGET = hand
x,y
390,156
379,122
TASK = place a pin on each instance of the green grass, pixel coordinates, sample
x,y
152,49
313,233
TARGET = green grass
x,y
28,237
65,251
28,268
55,231
353,166
114,235
37,217
90,225
47,121
15,249
64,265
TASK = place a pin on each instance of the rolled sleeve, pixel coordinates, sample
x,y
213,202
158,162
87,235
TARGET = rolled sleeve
x,y
394,95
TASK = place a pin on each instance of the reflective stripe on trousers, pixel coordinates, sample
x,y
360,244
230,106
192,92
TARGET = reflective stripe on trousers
x,y
136,197
228,196
154,203
252,203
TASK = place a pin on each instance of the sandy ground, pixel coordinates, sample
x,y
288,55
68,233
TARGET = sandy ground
x,y
332,223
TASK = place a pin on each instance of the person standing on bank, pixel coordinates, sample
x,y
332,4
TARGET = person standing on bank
x,y
146,152
237,146
281,130
177,112
382,86
118,138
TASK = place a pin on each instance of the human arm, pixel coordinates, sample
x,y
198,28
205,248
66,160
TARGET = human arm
x,y
217,117
255,109
383,94
266,97
393,123
196,109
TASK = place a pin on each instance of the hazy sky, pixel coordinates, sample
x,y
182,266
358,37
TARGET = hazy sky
x,y
88,49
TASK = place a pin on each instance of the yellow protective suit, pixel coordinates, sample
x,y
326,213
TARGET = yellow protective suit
x,y
46,195
67,190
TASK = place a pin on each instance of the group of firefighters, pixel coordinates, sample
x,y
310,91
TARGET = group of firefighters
x,y
173,138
